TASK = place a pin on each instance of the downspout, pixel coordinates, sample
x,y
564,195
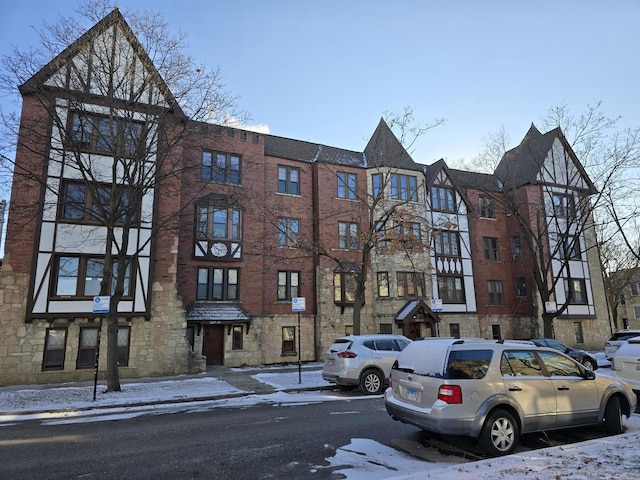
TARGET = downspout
x,y
315,214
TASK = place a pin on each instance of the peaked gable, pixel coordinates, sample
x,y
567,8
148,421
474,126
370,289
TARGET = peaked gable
x,y
109,48
526,163
385,150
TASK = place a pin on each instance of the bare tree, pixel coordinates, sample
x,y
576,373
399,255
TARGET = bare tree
x,y
551,232
112,112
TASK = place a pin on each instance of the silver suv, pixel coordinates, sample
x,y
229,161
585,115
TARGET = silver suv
x,y
617,339
362,360
496,390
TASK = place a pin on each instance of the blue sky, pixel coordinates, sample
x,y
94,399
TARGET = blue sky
x,y
326,71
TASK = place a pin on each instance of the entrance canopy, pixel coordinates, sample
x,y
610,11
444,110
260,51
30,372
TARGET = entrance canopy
x,y
415,311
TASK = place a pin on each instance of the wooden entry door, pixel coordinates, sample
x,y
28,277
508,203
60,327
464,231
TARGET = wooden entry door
x,y
213,344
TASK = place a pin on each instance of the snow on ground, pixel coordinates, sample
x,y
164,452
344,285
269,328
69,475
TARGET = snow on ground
x,y
616,457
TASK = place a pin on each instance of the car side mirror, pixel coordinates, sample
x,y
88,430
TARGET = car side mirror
x,y
589,375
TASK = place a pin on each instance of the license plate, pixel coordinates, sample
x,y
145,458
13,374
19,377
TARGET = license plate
x,y
411,394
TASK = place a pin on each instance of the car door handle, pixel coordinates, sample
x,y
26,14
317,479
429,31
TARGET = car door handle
x,y
515,389
562,387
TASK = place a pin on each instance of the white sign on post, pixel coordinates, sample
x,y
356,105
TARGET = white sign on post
x,y
101,304
298,304
436,304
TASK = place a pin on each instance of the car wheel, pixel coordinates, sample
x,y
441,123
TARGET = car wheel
x,y
613,417
588,363
499,435
371,382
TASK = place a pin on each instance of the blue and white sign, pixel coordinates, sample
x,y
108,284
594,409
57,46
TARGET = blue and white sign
x,y
436,304
298,304
101,304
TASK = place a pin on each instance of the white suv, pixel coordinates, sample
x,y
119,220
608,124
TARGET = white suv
x,y
362,360
496,390
617,339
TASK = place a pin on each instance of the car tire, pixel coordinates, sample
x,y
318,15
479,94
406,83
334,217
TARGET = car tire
x,y
613,417
589,364
371,382
499,435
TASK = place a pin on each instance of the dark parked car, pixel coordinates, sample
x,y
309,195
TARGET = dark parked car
x,y
580,355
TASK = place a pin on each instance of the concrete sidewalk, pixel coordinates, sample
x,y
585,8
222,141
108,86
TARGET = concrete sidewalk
x,y
218,382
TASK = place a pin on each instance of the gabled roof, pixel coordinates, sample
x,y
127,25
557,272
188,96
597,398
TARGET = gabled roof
x,y
431,173
522,165
310,152
216,313
65,58
385,150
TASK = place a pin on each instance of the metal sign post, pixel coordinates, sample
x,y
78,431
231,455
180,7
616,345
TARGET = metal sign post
x,y
298,305
100,305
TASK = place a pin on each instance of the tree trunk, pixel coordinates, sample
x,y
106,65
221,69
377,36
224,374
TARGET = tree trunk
x,y
547,321
113,377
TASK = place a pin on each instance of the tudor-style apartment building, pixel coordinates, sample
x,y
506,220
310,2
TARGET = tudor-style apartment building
x,y
237,224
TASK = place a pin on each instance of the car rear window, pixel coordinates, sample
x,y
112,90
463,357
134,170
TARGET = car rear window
x,y
623,336
468,364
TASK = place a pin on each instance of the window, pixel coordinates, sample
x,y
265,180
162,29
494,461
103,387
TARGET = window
x,y
288,285
376,185
564,205
218,283
386,328
521,287
495,292
219,222
347,185
82,276
622,300
55,344
468,364
118,137
636,312
516,245
635,288
124,333
94,205
451,289
348,235
288,180
383,284
408,230
221,167
490,248
519,363
487,209
344,288
446,243
87,347
288,340
570,248
288,231
577,326
237,337
454,330
404,187
348,329
443,199
495,332
559,365
410,284
576,291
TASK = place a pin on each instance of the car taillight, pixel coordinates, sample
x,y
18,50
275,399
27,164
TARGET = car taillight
x,y
347,354
451,394
390,381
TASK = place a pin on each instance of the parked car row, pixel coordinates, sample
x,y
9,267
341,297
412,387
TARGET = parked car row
x,y
486,389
